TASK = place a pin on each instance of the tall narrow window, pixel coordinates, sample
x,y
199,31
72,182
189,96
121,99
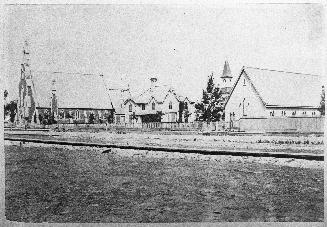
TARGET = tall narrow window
x,y
29,90
170,105
143,106
130,107
77,114
153,106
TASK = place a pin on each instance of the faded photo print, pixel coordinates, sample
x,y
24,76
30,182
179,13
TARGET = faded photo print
x,y
164,113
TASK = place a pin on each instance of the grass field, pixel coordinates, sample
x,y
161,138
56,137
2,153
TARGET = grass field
x,y
75,184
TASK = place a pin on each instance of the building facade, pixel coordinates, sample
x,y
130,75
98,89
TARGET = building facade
x,y
264,93
157,104
60,97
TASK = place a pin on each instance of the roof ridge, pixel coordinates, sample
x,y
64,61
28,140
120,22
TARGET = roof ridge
x,y
274,70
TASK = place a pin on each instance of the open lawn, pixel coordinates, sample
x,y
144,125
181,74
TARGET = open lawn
x,y
270,143
76,184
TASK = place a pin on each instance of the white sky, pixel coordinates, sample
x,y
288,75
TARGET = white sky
x,y
181,45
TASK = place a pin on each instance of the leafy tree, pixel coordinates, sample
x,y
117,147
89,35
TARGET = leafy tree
x,y
322,102
210,108
11,109
5,94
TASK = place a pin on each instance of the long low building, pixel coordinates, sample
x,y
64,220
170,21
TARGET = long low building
x,y
64,97
265,93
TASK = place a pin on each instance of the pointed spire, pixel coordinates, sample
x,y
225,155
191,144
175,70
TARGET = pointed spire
x,y
226,73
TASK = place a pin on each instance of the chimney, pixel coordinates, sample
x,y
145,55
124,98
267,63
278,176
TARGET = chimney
x,y
153,82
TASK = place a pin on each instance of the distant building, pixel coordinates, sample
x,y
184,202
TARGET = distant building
x,y
226,83
67,98
264,93
158,104
118,97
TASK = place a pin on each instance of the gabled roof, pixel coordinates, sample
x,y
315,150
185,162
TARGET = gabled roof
x,y
159,93
283,89
226,72
72,90
118,97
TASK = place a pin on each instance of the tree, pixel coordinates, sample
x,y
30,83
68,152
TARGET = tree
x,y
5,94
210,108
11,109
322,102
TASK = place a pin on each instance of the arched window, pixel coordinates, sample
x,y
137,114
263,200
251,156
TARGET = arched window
x,y
170,105
130,108
224,80
77,114
153,106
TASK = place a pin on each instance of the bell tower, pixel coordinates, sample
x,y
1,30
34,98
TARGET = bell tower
x,y
226,77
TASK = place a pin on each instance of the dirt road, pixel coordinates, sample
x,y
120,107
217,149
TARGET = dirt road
x,y
75,184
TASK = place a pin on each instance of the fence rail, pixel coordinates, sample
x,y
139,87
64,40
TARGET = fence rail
x,y
289,124
298,124
194,126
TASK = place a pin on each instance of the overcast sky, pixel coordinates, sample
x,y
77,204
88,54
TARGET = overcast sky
x,y
180,45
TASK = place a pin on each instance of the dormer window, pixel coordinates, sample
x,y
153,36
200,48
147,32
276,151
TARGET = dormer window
x,y
153,106
170,105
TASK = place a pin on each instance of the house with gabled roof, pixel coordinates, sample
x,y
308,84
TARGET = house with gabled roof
x,y
66,97
265,93
159,103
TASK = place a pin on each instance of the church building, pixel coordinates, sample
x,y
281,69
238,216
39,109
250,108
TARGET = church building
x,y
61,97
265,93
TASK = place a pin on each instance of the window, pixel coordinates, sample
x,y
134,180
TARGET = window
x,y
29,90
313,113
272,113
244,82
224,80
61,114
153,106
170,105
77,114
304,112
186,106
130,108
143,106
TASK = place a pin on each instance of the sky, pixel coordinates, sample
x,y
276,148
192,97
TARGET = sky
x,y
179,44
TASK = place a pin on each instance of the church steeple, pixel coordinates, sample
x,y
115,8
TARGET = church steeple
x,y
226,72
226,77
26,61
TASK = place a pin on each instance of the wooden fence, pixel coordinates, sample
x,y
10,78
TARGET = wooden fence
x,y
195,126
289,124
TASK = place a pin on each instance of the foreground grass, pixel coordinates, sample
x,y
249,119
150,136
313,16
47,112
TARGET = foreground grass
x,y
66,184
